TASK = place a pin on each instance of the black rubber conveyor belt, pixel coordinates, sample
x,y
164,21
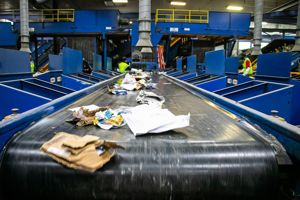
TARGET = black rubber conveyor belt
x,y
213,158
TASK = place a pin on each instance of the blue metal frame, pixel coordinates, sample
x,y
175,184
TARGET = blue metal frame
x,y
38,89
97,62
101,75
274,66
14,61
10,127
55,62
288,135
72,61
86,21
220,23
8,37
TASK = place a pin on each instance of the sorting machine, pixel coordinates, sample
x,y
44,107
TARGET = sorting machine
x,y
225,153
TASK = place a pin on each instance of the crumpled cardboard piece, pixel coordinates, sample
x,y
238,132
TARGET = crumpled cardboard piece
x,y
80,142
79,150
84,156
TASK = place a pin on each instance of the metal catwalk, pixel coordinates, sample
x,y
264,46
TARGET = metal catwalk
x,y
214,158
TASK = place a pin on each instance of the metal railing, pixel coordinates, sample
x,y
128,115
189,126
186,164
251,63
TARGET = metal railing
x,y
179,15
44,15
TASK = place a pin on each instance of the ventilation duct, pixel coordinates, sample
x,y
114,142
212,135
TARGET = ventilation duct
x,y
297,42
258,18
24,24
144,41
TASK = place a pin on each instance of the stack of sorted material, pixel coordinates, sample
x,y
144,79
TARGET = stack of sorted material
x,y
87,153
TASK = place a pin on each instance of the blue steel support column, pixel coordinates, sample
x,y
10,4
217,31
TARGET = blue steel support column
x,y
95,45
192,47
104,51
36,61
168,49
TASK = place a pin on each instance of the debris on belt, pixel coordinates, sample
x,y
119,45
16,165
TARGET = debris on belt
x,y
109,119
115,90
150,98
103,117
130,83
139,74
85,115
145,118
87,153
150,85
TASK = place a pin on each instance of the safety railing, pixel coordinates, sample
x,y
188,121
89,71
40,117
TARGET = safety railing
x,y
58,15
179,15
44,15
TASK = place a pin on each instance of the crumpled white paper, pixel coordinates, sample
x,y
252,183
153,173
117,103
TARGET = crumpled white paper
x,y
152,119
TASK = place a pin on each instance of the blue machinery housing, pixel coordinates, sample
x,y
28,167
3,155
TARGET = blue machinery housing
x,y
271,90
105,22
61,85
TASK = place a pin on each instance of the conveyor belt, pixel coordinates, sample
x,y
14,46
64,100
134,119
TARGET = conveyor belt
x,y
214,158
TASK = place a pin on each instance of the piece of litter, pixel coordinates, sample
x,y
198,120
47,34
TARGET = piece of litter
x,y
89,107
85,115
129,82
109,119
119,92
150,98
151,85
92,154
152,119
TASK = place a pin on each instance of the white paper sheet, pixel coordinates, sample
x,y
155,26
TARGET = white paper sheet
x,y
152,119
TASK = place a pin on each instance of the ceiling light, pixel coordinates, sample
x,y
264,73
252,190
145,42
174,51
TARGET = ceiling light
x,y
130,22
235,8
264,23
120,1
178,3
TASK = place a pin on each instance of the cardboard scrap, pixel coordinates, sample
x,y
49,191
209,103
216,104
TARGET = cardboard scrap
x,y
79,152
75,142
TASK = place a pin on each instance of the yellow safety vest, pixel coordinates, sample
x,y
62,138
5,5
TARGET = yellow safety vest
x,y
123,66
245,66
32,67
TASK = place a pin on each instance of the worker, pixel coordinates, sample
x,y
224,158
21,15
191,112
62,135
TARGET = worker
x,y
123,66
247,67
32,65
86,66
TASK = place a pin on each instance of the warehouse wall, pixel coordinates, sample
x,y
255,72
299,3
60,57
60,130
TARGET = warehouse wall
x,y
86,44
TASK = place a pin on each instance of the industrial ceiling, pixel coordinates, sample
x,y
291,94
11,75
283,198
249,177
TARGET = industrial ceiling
x,y
132,6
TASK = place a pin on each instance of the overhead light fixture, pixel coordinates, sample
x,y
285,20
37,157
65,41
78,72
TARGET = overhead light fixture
x,y
235,8
120,1
178,3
